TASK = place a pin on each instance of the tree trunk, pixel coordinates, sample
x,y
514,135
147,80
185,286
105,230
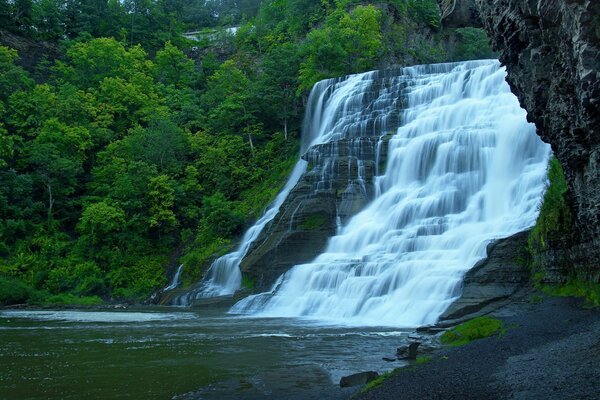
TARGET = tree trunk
x,y
251,144
50,203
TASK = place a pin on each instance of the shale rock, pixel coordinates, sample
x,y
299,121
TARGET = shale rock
x,y
551,52
493,279
337,184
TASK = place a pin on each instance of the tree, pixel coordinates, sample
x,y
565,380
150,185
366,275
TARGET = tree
x,y
12,77
227,101
58,154
161,197
100,221
277,85
172,67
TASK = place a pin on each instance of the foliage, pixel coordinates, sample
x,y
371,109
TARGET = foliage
x,y
13,291
555,216
131,149
477,328
471,44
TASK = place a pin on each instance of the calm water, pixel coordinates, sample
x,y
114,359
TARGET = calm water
x,y
181,354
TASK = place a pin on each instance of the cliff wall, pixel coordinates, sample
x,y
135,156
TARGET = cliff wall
x,y
550,49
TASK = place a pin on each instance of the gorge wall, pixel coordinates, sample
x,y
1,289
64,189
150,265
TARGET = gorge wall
x,y
550,49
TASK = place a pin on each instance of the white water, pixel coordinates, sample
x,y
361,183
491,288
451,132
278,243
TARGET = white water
x,y
464,168
175,281
224,276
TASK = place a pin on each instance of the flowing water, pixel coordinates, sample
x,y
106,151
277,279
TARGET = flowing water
x,y
181,354
224,277
463,167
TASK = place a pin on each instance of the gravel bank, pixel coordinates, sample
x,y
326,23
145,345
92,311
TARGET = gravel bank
x,y
550,351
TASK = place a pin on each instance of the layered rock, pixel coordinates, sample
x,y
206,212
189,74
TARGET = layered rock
x,y
494,278
337,184
550,49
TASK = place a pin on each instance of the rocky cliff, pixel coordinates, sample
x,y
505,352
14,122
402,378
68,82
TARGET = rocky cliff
x,y
550,49
337,184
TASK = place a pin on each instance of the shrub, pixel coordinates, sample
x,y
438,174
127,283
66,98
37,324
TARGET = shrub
x,y
13,291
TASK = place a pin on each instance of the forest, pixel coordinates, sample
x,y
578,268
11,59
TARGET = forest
x,y
127,149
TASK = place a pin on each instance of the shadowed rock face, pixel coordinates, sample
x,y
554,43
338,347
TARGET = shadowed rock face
x,y
550,49
337,184
492,279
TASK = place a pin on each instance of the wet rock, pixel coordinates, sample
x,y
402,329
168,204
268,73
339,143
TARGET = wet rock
x,y
408,352
389,359
358,379
337,184
493,279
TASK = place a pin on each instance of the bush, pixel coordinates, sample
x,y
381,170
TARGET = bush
x,y
13,291
477,328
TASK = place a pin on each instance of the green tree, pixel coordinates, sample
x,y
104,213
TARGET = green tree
x,y
276,87
172,67
161,196
58,154
101,221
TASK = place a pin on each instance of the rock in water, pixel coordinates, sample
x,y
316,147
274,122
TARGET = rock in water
x,y
408,352
361,378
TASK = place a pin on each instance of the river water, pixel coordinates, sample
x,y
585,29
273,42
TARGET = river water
x,y
168,353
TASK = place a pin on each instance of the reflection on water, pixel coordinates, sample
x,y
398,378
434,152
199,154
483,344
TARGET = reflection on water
x,y
164,354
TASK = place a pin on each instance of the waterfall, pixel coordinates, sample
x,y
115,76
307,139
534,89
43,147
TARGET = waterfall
x,y
175,281
224,277
463,168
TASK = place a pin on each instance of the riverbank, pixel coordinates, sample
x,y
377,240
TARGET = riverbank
x,y
551,350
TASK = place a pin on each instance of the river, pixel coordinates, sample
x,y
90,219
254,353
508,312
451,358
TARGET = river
x,y
171,353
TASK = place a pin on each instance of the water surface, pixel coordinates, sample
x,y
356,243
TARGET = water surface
x,y
171,353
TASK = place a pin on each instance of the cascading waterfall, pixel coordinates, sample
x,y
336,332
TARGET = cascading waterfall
x,y
463,168
223,277
175,281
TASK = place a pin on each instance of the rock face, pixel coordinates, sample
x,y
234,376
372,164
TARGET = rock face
x,y
551,52
337,184
492,279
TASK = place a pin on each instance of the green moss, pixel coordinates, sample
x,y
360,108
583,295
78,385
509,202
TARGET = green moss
x,y
590,291
477,328
247,282
313,221
379,380
554,220
423,359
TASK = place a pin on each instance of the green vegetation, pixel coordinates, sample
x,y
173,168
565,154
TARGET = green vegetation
x,y
423,359
129,148
379,380
313,221
552,227
477,328
589,291
554,220
247,282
